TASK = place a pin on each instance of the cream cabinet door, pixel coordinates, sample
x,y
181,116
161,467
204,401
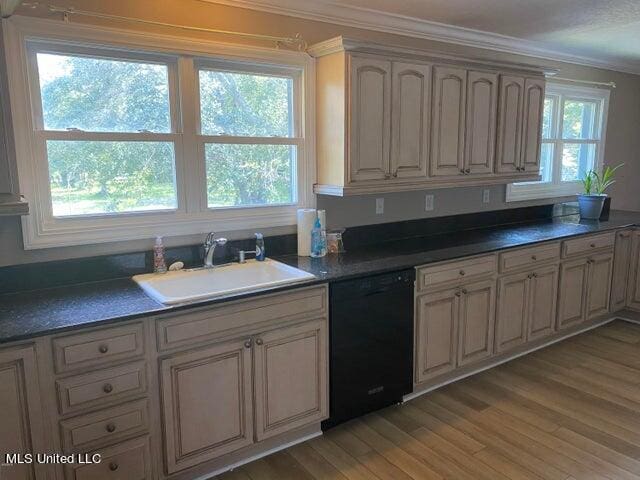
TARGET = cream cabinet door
x,y
633,292
290,367
543,292
448,129
21,427
207,403
510,124
411,110
370,119
599,291
621,260
476,322
572,297
513,307
533,110
436,334
482,106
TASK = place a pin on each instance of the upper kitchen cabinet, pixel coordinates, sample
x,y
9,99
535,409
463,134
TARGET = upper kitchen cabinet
x,y
520,124
392,119
11,202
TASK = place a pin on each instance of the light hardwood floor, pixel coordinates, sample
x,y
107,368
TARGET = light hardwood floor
x,y
568,412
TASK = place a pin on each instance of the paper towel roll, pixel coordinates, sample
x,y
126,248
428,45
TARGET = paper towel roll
x,y
306,219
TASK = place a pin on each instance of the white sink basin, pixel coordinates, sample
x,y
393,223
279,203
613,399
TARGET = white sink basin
x,y
199,284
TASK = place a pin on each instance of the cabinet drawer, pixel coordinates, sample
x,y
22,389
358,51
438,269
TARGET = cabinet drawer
x,y
105,426
124,461
528,257
586,244
98,347
214,322
101,387
461,270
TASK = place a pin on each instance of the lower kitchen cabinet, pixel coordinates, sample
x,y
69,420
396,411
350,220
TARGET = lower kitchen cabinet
x,y
599,291
21,427
526,307
543,293
207,403
572,297
621,272
476,323
221,398
290,369
585,288
436,333
633,292
513,303
454,327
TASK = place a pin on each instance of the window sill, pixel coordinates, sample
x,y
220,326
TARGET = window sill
x,y
518,193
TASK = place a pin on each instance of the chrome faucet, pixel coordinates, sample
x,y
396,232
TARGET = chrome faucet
x,y
210,245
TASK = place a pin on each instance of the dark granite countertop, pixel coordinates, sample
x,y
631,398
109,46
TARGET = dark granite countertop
x,y
40,312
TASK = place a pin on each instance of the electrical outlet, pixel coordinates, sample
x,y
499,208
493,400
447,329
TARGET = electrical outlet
x,y
379,206
428,203
485,195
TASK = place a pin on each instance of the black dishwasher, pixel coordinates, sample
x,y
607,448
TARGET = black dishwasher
x,y
371,344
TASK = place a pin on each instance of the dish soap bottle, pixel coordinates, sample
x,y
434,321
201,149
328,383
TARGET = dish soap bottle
x,y
318,240
159,264
260,252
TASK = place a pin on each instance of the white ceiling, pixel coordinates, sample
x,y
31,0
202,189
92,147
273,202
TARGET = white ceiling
x,y
600,32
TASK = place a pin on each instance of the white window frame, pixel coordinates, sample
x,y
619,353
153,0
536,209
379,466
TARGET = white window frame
x,y
42,230
556,188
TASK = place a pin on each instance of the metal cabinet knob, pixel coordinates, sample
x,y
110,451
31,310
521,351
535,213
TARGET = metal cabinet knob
x,y
468,170
457,294
462,273
258,341
103,348
113,466
107,388
534,275
464,291
111,427
533,257
247,344
593,245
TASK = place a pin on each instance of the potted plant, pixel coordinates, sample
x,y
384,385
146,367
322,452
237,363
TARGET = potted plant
x,y
593,198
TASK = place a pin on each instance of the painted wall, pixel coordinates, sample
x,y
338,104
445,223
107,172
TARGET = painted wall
x,y
623,140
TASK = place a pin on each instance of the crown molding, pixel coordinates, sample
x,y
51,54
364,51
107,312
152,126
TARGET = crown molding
x,y
369,19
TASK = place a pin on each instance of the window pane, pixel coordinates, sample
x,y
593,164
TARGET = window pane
x,y
250,174
577,159
547,119
101,95
579,119
546,161
110,177
244,104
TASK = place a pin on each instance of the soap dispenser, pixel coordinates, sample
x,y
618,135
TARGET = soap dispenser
x,y
260,252
159,263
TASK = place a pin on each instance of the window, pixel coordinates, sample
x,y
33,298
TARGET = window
x,y
106,129
573,130
124,143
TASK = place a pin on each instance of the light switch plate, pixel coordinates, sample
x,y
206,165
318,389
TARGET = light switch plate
x,y
379,206
428,203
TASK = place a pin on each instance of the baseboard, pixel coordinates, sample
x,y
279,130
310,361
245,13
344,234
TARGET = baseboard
x,y
508,358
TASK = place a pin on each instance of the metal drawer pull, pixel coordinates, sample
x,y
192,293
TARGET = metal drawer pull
x,y
113,466
111,427
247,344
107,388
104,348
259,341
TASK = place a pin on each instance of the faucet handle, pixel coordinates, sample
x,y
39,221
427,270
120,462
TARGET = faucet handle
x,y
210,238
